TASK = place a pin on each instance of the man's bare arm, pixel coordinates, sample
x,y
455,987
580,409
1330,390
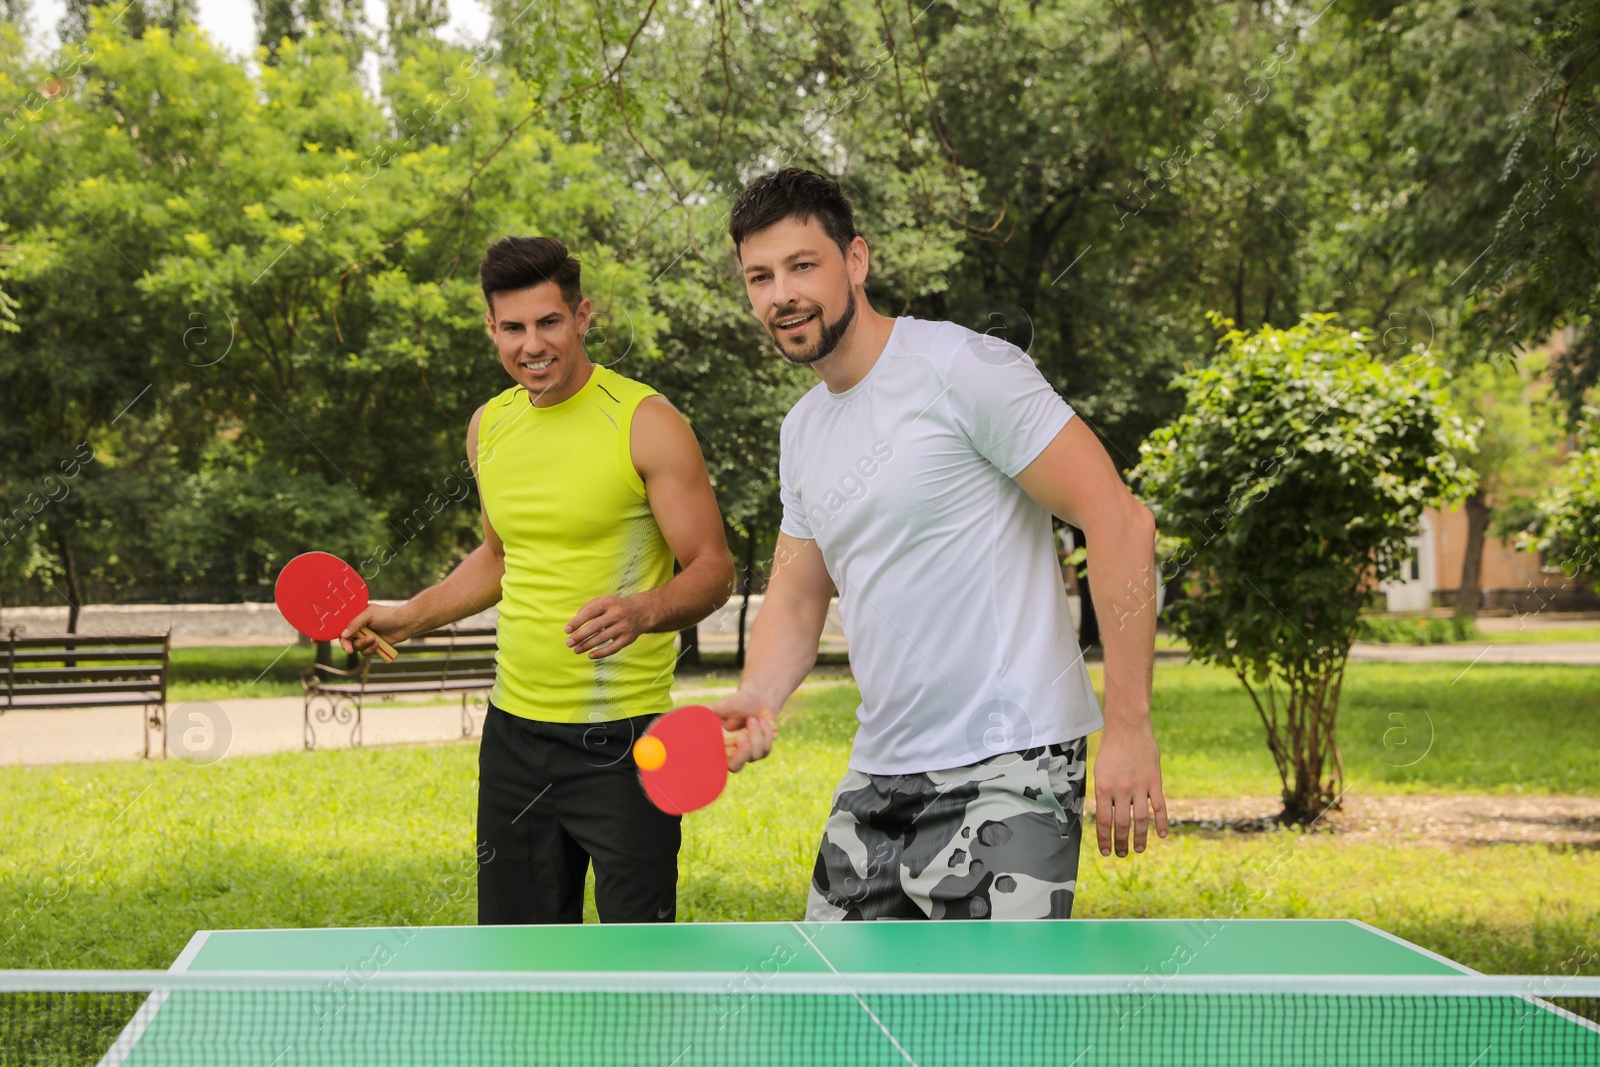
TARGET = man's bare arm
x,y
473,586
1075,480
668,459
783,648
784,640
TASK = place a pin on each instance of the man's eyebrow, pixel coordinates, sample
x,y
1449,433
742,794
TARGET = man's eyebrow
x,y
802,253
552,316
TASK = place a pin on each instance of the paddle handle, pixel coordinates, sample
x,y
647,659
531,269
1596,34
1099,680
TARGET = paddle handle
x,y
384,649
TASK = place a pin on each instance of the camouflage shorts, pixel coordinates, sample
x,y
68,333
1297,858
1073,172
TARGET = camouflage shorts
x,y
997,839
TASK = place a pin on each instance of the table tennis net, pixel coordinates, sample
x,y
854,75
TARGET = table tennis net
x,y
164,1019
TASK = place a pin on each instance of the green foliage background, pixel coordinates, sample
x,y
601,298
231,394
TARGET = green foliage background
x,y
247,289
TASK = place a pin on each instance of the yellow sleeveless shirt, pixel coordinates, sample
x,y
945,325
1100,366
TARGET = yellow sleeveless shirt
x,y
562,493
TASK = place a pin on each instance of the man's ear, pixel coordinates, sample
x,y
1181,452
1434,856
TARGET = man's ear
x,y
859,260
488,322
582,315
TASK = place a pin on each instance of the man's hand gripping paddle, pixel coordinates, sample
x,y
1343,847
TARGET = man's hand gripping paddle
x,y
319,594
683,759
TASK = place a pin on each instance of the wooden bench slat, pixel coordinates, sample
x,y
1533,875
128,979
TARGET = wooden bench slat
x,y
159,641
375,678
434,681
413,679
396,670
486,649
411,668
56,655
79,699
135,686
403,667
36,675
434,651
348,689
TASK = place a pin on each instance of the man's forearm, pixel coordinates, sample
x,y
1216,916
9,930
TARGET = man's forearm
x,y
783,649
693,593
1122,582
472,587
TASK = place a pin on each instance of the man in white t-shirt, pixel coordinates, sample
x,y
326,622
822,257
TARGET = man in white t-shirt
x,y
918,479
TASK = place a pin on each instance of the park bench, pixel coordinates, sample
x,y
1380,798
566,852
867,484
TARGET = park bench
x,y
444,661
90,671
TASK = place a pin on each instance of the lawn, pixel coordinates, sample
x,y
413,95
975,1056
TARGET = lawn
x,y
116,865
249,671
1534,634
1403,728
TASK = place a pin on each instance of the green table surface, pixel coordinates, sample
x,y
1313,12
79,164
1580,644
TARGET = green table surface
x,y
739,1018
1078,947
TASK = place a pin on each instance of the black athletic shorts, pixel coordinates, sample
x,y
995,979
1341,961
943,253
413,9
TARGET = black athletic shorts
x,y
552,797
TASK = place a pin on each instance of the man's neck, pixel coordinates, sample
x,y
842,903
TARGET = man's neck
x,y
858,351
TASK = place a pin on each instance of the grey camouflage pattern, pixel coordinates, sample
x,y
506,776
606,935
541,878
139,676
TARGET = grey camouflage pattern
x,y
997,839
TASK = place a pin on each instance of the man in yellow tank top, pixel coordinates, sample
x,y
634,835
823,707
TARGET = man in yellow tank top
x,y
591,485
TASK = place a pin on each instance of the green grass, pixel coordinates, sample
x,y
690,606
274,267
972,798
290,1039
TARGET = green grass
x,y
116,865
223,673
1403,728
1532,635
1551,634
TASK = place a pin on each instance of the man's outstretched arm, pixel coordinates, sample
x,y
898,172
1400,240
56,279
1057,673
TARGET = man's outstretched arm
x,y
668,459
1075,480
783,648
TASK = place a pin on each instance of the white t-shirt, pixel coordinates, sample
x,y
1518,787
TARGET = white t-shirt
x,y
949,586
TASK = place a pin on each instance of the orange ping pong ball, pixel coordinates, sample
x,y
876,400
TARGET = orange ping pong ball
x,y
649,753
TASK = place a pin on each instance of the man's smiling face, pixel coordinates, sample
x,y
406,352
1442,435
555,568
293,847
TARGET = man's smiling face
x,y
540,338
800,286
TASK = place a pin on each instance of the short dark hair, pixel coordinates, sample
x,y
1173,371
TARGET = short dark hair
x,y
793,192
523,262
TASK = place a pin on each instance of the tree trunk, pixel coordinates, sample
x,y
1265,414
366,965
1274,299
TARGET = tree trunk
x,y
69,561
1173,590
744,605
1311,719
1467,596
1088,621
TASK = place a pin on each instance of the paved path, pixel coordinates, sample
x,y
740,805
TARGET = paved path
x,y
212,730
1577,652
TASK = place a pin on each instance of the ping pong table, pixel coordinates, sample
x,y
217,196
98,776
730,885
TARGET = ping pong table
x,y
1078,993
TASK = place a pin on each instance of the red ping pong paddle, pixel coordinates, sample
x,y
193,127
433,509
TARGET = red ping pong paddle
x,y
683,759
319,594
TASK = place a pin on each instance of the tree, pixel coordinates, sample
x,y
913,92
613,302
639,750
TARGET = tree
x,y
135,16
280,20
1540,273
1291,483
1472,137
286,318
1520,440
1566,525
